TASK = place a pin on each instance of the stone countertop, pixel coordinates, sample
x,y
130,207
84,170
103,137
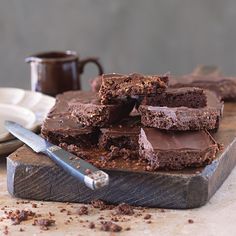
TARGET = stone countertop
x,y
218,217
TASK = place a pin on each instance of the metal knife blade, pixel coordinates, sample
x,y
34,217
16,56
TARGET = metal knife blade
x,y
33,140
77,167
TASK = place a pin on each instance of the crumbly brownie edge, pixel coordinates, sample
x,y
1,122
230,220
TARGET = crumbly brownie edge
x,y
80,140
102,115
173,119
176,160
121,141
187,97
173,160
94,116
117,88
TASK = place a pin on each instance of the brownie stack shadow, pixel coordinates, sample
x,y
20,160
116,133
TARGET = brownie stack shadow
x,y
137,118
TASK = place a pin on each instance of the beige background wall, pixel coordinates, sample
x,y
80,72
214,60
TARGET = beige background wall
x,y
148,36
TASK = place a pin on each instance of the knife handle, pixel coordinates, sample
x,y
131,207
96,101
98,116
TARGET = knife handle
x,y
77,167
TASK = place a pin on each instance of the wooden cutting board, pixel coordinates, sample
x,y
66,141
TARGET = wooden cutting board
x,y
35,176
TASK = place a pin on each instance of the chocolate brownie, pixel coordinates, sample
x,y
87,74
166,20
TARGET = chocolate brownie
x,y
176,150
60,127
65,129
186,97
224,87
183,118
121,139
62,104
88,110
116,86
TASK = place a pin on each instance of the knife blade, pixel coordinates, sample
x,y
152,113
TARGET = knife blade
x,y
77,167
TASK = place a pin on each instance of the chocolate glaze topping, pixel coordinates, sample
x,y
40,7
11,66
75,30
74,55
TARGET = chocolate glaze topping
x,y
169,140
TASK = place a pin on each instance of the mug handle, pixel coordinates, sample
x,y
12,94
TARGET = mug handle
x,y
83,63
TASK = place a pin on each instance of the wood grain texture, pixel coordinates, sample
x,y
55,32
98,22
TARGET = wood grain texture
x,y
35,176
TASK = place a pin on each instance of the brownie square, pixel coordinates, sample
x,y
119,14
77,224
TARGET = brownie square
x,y
88,110
176,150
60,127
224,87
121,139
117,87
64,128
182,118
178,97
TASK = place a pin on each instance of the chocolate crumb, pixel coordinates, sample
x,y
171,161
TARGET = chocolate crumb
x,y
34,205
21,230
51,214
68,213
124,209
138,214
109,226
98,204
44,223
115,219
18,216
190,221
83,210
91,225
101,205
127,228
149,222
147,216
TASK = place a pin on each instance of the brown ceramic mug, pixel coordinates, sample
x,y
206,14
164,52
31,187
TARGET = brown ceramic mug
x,y
56,72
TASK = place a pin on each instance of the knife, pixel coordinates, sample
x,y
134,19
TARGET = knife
x,y
75,166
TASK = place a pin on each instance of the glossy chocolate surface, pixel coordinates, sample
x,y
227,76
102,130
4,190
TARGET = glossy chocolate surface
x,y
169,140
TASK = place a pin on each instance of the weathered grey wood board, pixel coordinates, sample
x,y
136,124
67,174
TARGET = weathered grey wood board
x,y
35,176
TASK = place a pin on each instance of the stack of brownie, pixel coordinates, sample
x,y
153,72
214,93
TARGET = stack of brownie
x,y
138,117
